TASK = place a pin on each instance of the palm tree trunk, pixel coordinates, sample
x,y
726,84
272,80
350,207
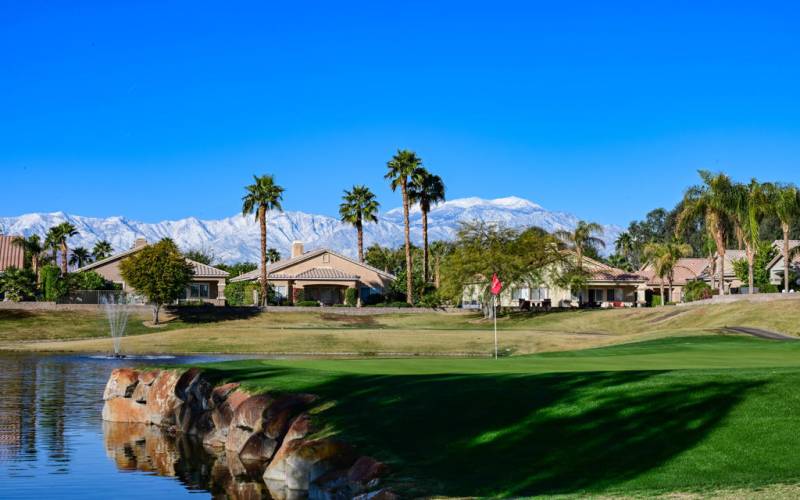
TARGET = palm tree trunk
x,y
722,272
785,228
712,272
425,246
663,299
670,290
436,274
64,251
360,230
409,277
262,222
750,258
35,266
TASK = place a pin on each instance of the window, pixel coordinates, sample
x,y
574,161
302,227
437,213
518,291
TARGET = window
x,y
539,294
281,291
326,258
520,293
198,291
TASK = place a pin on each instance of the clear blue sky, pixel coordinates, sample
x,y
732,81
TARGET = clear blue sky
x,y
160,110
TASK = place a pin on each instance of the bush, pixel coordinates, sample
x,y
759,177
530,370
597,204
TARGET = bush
x,y
18,284
307,303
697,290
350,297
655,301
52,286
240,293
297,296
89,280
431,299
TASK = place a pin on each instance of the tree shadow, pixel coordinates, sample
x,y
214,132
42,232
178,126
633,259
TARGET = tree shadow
x,y
511,435
211,314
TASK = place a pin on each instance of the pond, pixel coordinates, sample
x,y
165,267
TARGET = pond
x,y
53,442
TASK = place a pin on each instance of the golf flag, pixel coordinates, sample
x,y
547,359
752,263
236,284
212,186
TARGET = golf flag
x,y
496,285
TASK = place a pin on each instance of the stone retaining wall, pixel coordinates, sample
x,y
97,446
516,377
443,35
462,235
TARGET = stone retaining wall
x,y
273,432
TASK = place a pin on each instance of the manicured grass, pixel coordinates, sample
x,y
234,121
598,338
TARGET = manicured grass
x,y
22,325
691,414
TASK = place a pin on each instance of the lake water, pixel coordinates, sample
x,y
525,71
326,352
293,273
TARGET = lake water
x,y
53,443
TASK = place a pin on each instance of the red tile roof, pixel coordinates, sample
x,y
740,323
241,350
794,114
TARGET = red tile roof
x,y
10,254
686,269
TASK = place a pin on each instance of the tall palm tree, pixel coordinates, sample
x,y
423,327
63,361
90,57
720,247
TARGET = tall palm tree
x,y
653,253
79,257
624,246
33,248
752,203
673,252
401,167
273,255
102,249
262,195
714,200
358,206
51,244
584,235
61,234
785,202
426,189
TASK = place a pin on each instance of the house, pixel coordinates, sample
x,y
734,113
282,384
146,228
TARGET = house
x,y
322,275
775,266
11,255
686,270
207,285
606,287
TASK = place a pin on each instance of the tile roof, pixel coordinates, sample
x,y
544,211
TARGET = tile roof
x,y
779,257
275,267
10,254
686,269
317,273
205,271
599,271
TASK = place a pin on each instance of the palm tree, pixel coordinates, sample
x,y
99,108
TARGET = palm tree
x,y
427,190
102,249
751,206
714,200
664,258
439,250
79,257
624,246
585,234
32,246
785,202
51,244
402,166
653,253
262,195
358,206
273,255
619,261
61,233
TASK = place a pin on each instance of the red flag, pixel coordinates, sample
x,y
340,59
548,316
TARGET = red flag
x,y
496,285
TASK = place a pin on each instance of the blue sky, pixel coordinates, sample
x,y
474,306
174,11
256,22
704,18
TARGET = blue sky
x,y
605,109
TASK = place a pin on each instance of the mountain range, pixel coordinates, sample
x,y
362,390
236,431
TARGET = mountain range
x,y
235,239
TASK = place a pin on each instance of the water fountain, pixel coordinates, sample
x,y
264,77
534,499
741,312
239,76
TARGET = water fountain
x,y
117,312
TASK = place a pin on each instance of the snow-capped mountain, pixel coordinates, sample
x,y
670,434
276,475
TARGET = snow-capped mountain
x,y
236,238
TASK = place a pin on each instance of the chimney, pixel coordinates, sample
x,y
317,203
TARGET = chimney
x,y
139,243
297,249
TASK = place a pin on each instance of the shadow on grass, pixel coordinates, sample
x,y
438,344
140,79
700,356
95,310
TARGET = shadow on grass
x,y
510,435
211,314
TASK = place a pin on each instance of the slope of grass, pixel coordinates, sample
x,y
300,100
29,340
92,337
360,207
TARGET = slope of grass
x,y
695,414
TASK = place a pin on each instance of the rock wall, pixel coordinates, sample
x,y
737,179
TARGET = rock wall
x,y
271,432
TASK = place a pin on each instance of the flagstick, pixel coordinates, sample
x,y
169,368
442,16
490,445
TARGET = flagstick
x,y
494,313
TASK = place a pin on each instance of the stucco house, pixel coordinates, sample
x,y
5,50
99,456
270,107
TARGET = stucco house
x,y
322,275
11,255
606,287
775,266
207,285
686,270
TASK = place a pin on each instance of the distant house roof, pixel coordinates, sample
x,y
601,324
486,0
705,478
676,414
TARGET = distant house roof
x,y
200,270
11,255
320,272
779,257
686,269
599,271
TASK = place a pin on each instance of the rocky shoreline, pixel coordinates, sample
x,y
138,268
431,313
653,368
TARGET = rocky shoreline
x,y
273,433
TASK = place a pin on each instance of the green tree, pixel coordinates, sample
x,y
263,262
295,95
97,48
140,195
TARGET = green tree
x,y
80,257
752,203
619,261
438,251
18,284
60,238
757,270
388,259
401,167
263,195
32,248
359,206
714,200
200,255
237,269
51,244
52,285
273,255
785,203
159,272
101,250
584,236
664,258
427,190
625,247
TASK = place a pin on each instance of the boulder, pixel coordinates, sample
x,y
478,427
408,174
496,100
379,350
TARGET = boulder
x,y
258,447
300,427
162,403
124,410
220,393
250,413
299,462
222,413
121,383
365,470
280,414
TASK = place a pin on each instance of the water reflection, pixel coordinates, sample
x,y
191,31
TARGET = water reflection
x,y
53,442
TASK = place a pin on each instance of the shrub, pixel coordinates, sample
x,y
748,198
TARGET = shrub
x,y
431,299
297,296
655,301
18,284
350,297
697,290
307,303
52,286
89,280
240,293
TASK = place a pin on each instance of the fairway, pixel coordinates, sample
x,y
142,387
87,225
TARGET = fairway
x,y
692,414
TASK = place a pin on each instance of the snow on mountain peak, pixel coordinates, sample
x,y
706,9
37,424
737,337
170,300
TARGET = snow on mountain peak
x,y
236,238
